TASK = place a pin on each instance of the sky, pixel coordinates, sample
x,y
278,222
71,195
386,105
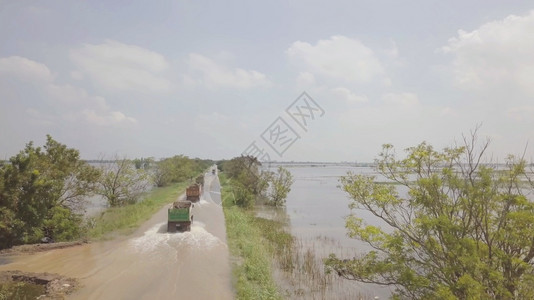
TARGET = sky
x,y
214,79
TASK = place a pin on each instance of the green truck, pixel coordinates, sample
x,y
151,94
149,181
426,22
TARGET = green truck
x,y
180,216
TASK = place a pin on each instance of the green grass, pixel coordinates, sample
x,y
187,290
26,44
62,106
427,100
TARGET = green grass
x,y
281,243
252,267
125,219
20,290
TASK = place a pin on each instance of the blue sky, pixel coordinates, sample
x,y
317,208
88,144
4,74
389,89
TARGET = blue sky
x,y
207,78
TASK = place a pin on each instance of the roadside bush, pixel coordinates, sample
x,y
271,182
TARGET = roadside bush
x,y
246,179
62,224
243,197
279,186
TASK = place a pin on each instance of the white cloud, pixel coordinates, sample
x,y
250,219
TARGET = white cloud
x,y
68,96
305,79
25,69
339,58
403,99
214,75
348,96
448,111
117,66
392,52
68,103
522,113
221,130
40,118
498,54
77,75
106,118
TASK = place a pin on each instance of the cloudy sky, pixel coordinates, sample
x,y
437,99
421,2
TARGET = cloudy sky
x,y
207,78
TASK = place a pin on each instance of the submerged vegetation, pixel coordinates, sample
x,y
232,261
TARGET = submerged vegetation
x,y
279,186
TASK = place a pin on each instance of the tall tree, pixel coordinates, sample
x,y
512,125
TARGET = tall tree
x,y
279,186
463,230
79,178
121,183
247,180
35,182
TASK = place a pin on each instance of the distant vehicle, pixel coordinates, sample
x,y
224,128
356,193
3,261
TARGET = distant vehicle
x,y
179,216
193,192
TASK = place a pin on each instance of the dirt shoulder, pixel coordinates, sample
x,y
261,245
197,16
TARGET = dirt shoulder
x,y
55,286
33,248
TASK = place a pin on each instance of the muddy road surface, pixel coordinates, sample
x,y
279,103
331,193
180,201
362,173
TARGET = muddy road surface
x,y
151,263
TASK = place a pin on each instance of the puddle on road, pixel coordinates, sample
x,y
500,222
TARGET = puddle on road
x,y
157,238
4,260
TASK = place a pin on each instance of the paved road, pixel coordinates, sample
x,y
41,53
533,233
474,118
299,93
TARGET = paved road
x,y
151,263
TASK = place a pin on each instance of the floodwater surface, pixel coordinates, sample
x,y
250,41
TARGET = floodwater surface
x,y
315,214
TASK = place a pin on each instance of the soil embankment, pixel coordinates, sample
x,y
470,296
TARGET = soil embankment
x,y
43,285
33,248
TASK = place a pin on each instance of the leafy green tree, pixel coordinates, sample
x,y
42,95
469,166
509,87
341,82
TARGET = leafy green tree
x,y
121,183
178,168
279,186
62,224
36,182
143,163
243,197
162,173
463,230
247,179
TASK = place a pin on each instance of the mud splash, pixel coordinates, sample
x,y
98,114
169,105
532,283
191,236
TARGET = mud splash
x,y
157,238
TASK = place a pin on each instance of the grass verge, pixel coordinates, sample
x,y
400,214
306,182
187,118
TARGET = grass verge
x,y
269,262
20,290
252,267
126,219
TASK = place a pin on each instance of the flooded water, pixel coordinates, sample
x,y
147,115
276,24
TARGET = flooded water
x,y
151,263
315,210
4,260
96,204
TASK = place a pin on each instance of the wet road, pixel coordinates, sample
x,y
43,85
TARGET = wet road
x,y
151,263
